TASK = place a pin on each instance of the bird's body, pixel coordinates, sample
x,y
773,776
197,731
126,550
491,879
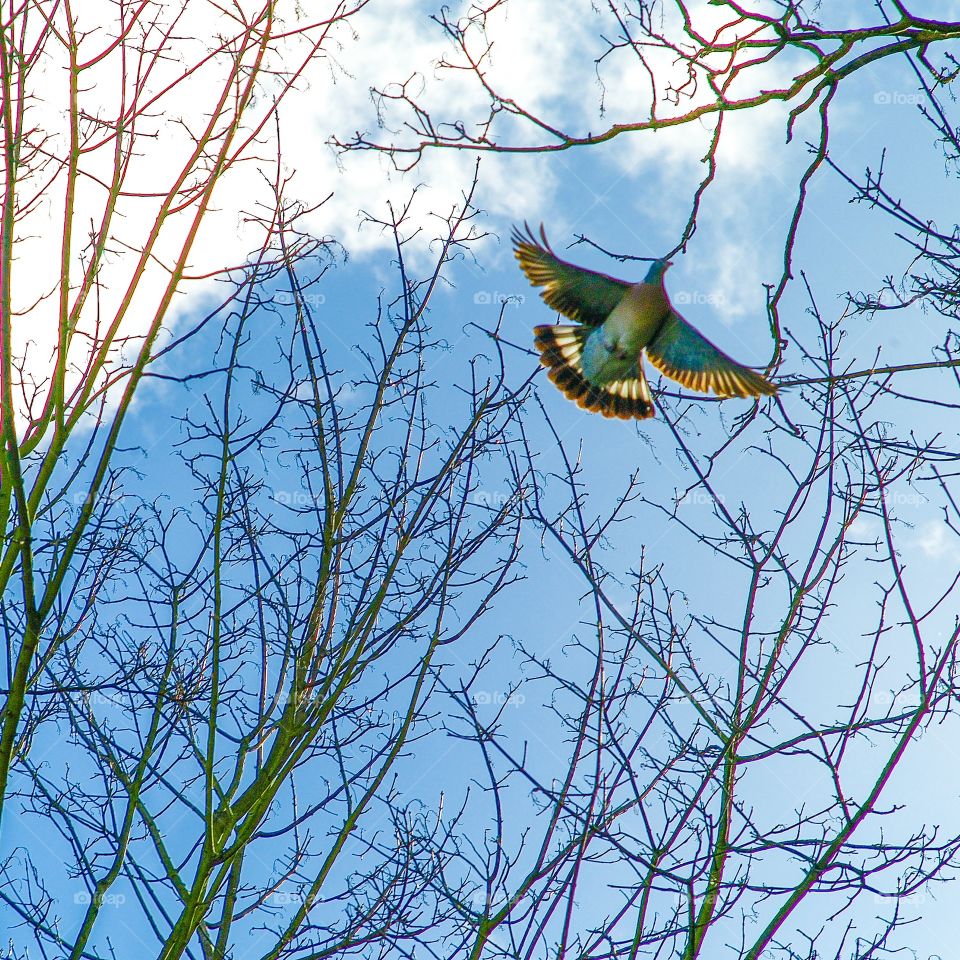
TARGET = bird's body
x,y
599,361
612,349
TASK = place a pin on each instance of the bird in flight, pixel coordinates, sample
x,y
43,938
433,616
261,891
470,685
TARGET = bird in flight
x,y
598,361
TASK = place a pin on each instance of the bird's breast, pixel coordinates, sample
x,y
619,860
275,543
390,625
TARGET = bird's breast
x,y
613,349
635,321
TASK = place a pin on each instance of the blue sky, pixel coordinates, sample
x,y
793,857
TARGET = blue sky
x,y
632,196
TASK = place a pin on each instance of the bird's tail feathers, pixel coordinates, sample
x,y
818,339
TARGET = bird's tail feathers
x,y
561,352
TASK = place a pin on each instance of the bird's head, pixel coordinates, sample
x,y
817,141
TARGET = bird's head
x,y
657,269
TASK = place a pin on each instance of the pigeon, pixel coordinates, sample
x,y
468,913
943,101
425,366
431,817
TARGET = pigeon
x,y
598,360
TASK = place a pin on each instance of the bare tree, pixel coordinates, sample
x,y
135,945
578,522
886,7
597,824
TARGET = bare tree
x,y
202,658
259,699
735,727
281,639
88,171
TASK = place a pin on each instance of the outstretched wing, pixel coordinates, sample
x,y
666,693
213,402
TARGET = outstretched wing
x,y
685,355
561,352
581,295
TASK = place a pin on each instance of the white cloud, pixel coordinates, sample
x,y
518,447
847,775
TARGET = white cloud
x,y
937,541
332,98
542,55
